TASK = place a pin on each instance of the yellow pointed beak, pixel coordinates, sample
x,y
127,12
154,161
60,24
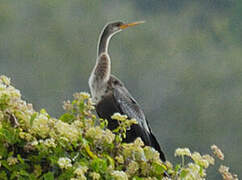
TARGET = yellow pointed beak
x,y
131,24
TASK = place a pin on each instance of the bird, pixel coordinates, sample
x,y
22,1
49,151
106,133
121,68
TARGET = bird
x,y
110,95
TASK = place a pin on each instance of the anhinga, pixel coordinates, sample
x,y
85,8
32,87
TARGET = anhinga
x,y
110,95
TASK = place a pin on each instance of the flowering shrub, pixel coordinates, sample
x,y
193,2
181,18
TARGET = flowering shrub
x,y
78,145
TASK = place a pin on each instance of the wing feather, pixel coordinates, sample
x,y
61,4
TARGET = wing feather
x,y
127,105
130,107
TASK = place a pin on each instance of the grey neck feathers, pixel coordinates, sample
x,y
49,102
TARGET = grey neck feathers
x,y
103,42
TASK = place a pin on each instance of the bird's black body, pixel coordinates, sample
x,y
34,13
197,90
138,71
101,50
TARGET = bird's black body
x,y
111,96
118,99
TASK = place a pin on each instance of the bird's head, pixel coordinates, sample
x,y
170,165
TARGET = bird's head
x,y
109,30
118,26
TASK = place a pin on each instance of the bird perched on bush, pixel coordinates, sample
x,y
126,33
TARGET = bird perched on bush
x,y
110,95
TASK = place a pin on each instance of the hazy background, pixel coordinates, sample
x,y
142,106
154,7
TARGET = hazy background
x,y
183,65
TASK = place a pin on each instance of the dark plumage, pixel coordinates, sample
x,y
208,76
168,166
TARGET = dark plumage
x,y
111,96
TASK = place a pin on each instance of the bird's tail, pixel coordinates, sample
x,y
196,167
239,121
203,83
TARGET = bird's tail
x,y
156,145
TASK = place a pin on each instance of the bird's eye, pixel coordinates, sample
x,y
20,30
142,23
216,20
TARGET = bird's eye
x,y
115,82
119,24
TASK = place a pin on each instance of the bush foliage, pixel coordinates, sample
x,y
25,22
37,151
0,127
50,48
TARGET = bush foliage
x,y
34,145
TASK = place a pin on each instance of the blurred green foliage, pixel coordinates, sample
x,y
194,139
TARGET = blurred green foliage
x,y
183,66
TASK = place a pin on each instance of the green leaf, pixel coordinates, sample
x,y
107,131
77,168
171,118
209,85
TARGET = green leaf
x,y
81,106
5,164
43,111
49,176
37,170
3,175
24,173
7,135
99,165
137,178
67,174
14,175
3,150
103,123
20,159
32,177
183,173
4,102
110,160
32,118
177,167
67,117
157,168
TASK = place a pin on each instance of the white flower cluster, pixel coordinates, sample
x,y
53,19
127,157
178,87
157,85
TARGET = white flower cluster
x,y
80,172
48,143
132,168
5,80
134,151
6,89
12,160
119,159
100,136
95,175
26,136
34,143
198,159
118,116
119,175
41,125
217,152
68,131
81,95
151,154
64,163
196,170
224,171
67,105
182,152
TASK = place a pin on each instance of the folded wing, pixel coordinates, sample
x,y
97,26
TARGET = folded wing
x,y
127,105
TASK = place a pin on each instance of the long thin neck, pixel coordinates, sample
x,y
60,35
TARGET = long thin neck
x,y
104,42
102,69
